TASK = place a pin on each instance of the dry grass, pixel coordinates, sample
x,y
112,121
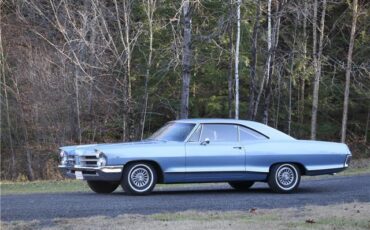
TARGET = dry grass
x,y
341,216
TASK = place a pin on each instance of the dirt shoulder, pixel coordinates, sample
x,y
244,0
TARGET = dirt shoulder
x,y
340,216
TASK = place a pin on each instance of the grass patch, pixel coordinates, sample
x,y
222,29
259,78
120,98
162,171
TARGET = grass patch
x,y
8,188
340,216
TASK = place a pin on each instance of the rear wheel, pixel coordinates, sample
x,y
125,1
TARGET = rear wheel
x,y
139,178
241,185
284,178
102,186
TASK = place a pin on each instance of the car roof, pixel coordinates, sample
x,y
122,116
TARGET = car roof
x,y
262,128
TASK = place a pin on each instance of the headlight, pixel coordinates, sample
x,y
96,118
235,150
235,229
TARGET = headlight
x,y
62,154
63,157
102,159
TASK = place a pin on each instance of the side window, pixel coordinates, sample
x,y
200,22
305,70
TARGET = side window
x,y
248,134
219,132
196,135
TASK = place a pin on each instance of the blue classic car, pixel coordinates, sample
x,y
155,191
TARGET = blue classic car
x,y
204,150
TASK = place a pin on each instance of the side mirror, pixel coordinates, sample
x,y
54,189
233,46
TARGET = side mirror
x,y
205,142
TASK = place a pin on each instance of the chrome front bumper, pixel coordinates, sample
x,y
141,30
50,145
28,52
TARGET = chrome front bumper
x,y
105,173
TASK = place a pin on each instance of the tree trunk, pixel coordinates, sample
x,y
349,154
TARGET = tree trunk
x,y
367,125
348,71
290,80
3,87
302,99
77,101
253,70
273,40
317,64
278,101
149,12
186,60
127,78
268,69
230,68
237,44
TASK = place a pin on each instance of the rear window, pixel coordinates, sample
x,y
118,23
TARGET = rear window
x,y
246,134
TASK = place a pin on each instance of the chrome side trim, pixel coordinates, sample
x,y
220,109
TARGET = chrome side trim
x,y
323,167
257,169
112,170
106,169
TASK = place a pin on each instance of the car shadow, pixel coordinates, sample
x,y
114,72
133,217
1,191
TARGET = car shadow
x,y
223,191
212,191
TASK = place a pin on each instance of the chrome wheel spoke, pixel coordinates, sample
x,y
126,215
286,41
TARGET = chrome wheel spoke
x,y
286,176
140,177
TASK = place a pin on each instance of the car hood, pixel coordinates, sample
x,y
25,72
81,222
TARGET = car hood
x,y
89,149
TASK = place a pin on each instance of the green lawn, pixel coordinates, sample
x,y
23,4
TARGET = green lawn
x,y
43,187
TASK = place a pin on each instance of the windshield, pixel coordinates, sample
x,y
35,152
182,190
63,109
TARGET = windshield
x,y
173,132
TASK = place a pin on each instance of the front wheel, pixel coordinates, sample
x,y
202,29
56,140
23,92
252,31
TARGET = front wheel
x,y
284,178
139,179
241,185
102,186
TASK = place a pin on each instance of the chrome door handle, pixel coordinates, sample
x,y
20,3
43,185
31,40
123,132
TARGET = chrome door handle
x,y
237,147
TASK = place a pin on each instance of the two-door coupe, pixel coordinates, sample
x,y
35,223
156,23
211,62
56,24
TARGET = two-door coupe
x,y
204,150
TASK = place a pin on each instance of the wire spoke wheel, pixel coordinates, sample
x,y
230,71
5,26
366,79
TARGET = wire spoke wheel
x,y
139,178
284,178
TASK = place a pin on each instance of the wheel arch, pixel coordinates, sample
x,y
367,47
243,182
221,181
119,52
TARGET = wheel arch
x,y
157,167
300,166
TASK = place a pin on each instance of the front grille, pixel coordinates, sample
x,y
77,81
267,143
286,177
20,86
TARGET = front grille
x,y
88,161
70,161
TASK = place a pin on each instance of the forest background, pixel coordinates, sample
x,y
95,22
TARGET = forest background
x,y
92,71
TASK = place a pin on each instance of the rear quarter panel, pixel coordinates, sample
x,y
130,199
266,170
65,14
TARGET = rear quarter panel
x,y
312,155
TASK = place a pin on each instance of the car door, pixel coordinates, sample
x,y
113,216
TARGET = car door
x,y
214,153
256,158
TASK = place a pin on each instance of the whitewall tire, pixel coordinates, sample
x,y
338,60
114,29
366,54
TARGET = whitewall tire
x,y
138,178
284,178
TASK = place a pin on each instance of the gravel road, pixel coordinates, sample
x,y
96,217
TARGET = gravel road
x,y
215,197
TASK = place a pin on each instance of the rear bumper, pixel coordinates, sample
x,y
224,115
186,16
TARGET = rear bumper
x,y
106,173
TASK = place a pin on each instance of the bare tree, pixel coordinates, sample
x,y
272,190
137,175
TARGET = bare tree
x,y
253,70
348,70
317,62
237,44
272,43
290,80
149,10
230,68
274,40
125,37
186,60
367,124
301,106
5,100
